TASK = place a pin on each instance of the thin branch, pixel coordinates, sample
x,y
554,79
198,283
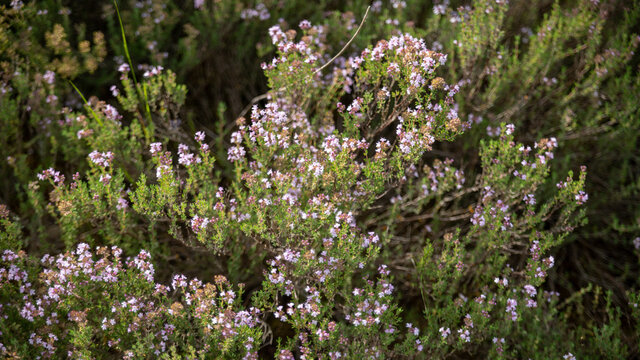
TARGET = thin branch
x,y
264,96
251,103
401,107
366,13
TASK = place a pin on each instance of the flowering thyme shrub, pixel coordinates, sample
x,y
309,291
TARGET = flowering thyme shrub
x,y
419,195
78,305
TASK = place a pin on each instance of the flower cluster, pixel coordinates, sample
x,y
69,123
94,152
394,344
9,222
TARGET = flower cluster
x,y
185,157
52,174
163,158
102,159
120,301
260,11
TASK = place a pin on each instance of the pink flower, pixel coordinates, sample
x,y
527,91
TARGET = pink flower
x,y
179,281
198,223
509,129
114,90
305,25
111,113
155,148
49,77
155,70
123,68
84,133
105,179
50,173
530,290
581,197
464,335
187,158
162,170
101,159
236,153
316,168
122,204
529,199
393,69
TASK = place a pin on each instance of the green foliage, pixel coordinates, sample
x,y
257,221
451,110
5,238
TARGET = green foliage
x,y
459,182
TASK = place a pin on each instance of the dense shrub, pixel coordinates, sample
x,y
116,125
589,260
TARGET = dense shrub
x,y
208,179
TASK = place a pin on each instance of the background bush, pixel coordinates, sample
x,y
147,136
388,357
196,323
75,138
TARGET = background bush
x,y
462,181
